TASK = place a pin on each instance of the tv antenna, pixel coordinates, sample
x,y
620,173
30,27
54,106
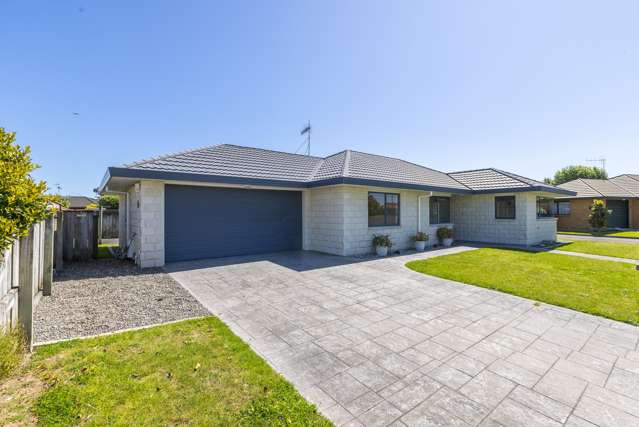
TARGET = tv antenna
x,y
600,160
306,131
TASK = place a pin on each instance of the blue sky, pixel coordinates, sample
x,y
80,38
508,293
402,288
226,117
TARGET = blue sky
x,y
452,85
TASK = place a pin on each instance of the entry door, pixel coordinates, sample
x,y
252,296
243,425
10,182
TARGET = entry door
x,y
619,216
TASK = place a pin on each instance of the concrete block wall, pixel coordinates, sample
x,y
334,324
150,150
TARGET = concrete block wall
x,y
358,235
134,222
151,249
474,217
325,217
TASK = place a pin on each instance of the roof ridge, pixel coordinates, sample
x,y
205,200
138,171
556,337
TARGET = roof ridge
x,y
178,153
401,160
273,151
591,187
519,178
347,163
472,170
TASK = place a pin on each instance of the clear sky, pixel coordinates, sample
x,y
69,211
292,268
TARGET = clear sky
x,y
451,85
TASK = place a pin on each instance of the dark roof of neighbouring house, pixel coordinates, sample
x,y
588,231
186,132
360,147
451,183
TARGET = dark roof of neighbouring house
x,y
622,186
233,164
79,202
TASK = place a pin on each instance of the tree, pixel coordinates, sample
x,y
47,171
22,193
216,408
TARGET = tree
x,y
598,217
22,199
570,173
108,201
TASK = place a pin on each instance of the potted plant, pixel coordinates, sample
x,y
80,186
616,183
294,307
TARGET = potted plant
x,y
420,240
382,243
445,234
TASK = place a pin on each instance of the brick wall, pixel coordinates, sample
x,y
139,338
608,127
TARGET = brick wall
x,y
578,218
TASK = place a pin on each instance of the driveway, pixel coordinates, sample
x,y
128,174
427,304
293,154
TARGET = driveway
x,y
597,239
373,343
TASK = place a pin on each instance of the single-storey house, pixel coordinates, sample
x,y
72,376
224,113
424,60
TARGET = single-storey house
x,y
227,200
79,202
621,194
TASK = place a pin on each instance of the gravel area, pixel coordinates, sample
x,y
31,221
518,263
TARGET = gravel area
x,y
101,296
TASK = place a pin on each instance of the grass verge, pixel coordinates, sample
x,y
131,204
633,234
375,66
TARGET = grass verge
x,y
195,372
630,234
604,288
12,351
614,249
103,250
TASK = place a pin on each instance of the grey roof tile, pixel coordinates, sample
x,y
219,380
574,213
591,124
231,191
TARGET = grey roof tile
x,y
496,179
233,161
623,186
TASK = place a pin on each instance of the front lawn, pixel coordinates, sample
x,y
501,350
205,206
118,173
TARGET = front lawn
x,y
614,249
195,372
631,234
604,288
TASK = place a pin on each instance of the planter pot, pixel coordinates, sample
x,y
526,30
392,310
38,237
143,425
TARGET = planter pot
x,y
447,242
420,245
381,250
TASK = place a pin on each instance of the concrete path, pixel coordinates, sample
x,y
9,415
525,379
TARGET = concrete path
x,y
373,343
563,237
599,257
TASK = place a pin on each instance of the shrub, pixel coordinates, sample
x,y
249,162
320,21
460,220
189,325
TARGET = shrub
x,y
108,201
12,350
598,217
22,199
444,233
420,237
382,240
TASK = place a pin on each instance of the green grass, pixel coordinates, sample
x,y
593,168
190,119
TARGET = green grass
x,y
12,349
604,288
103,251
614,249
193,372
630,234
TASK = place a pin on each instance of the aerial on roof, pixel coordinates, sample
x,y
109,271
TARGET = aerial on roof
x,y
233,164
622,186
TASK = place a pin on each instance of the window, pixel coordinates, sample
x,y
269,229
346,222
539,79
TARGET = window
x,y
439,210
505,207
562,208
545,207
383,209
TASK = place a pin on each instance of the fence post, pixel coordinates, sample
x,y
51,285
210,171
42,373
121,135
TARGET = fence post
x,y
47,274
59,241
25,286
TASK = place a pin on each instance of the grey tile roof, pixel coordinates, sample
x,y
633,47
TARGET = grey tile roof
x,y
623,186
79,202
486,180
629,182
234,164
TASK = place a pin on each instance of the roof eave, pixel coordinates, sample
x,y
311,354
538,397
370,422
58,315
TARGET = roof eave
x,y
527,189
385,184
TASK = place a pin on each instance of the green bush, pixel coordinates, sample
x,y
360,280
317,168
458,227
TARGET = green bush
x,y
12,350
382,240
108,201
420,237
598,217
22,199
444,233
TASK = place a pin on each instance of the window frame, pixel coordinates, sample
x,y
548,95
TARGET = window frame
x,y
514,200
430,217
558,212
551,213
386,224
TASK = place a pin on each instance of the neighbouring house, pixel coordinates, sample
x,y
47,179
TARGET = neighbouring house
x,y
227,200
79,202
621,194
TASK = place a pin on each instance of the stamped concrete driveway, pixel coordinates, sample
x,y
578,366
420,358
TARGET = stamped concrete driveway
x,y
373,343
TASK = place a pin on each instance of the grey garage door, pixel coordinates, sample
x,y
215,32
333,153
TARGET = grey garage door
x,y
619,216
205,222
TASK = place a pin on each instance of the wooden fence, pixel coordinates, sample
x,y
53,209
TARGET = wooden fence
x,y
109,224
80,241
26,274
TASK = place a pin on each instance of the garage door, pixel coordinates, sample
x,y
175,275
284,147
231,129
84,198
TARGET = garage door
x,y
205,222
619,216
